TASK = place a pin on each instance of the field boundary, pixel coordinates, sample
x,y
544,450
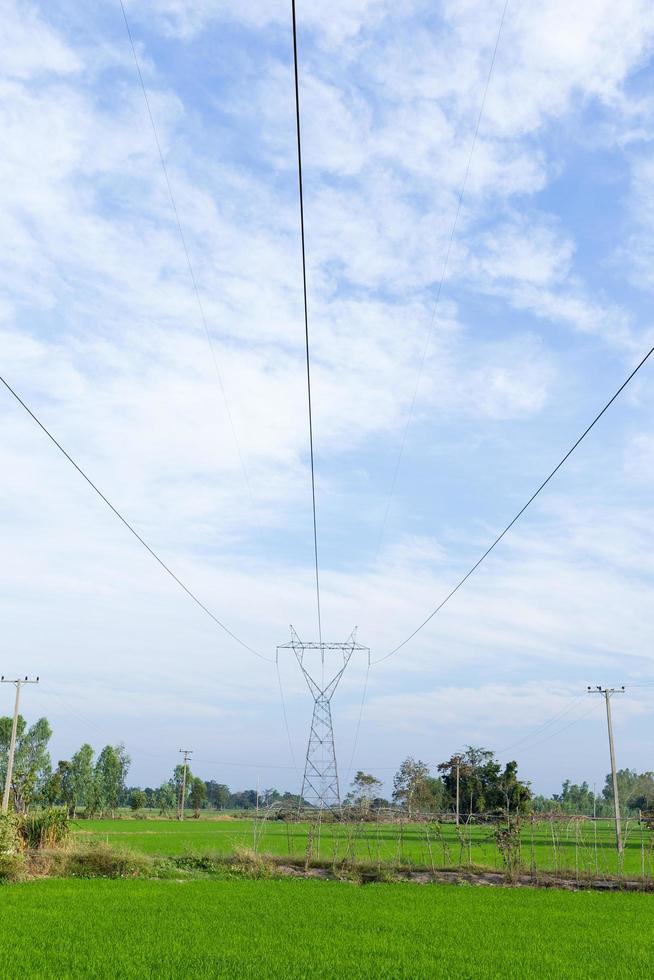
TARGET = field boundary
x,y
482,878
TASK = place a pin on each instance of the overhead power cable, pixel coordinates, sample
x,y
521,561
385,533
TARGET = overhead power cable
x,y
131,529
508,527
439,289
358,725
189,263
286,725
566,709
559,731
306,316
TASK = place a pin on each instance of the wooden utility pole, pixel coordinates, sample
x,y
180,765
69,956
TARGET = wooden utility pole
x,y
186,753
18,681
607,692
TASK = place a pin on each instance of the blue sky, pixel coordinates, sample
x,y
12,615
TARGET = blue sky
x,y
545,308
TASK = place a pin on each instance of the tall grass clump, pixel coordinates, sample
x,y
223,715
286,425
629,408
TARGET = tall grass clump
x,y
46,829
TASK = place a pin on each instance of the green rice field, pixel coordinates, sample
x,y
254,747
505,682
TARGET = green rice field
x,y
300,928
570,846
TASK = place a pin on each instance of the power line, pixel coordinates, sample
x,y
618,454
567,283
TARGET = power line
x,y
130,528
306,315
441,281
187,255
522,509
359,719
161,755
286,725
541,728
559,731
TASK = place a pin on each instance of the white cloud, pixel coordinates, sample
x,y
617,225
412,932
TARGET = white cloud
x,y
32,48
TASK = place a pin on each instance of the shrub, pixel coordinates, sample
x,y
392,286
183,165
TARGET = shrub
x,y
103,861
11,866
253,865
10,838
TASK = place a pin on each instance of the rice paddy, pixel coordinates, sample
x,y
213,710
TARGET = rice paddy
x,y
298,928
577,846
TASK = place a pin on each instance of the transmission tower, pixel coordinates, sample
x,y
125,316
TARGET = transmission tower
x,y
320,782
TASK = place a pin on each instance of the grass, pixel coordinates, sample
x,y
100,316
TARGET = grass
x,y
558,846
298,928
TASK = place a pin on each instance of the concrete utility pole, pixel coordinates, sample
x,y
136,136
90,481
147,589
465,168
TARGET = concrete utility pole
x,y
458,767
18,681
607,692
186,753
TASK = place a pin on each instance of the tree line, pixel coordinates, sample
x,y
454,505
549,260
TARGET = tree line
x,y
95,785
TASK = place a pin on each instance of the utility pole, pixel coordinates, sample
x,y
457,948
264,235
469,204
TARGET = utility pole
x,y
606,692
458,767
18,681
186,753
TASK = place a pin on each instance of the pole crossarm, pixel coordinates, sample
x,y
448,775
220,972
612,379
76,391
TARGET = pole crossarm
x,y
320,786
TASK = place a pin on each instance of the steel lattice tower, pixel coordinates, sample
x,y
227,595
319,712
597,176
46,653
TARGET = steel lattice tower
x,y
320,787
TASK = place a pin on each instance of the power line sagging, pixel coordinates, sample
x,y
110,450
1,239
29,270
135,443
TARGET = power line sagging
x,y
130,527
187,255
514,520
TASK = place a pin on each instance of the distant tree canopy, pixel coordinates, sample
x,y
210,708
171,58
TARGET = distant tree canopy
x,y
97,786
483,785
636,792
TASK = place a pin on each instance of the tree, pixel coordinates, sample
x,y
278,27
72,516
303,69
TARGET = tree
x,y
138,800
166,798
110,771
409,784
433,796
32,765
198,795
178,782
218,794
245,799
81,778
52,785
641,796
57,788
270,796
364,788
516,794
575,798
483,785
636,791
